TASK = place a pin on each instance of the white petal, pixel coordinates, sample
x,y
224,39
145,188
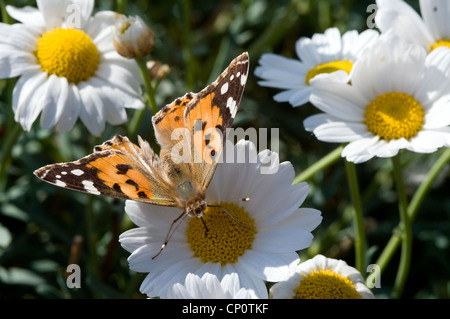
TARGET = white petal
x,y
438,115
398,16
435,14
15,63
282,206
282,240
28,95
267,266
340,100
55,101
300,97
426,142
357,151
354,44
71,110
339,132
306,219
99,26
85,10
92,113
112,105
53,12
26,15
121,76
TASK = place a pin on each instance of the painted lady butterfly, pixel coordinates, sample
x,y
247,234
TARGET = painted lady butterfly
x,y
120,169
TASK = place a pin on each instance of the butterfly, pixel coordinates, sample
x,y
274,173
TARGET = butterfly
x,y
191,132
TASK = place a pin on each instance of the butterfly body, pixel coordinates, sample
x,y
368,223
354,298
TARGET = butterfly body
x,y
193,126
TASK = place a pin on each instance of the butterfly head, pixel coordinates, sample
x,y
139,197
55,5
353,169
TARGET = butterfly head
x,y
196,207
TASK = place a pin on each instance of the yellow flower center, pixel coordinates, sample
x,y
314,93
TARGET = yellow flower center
x,y
394,115
440,43
326,284
329,67
68,53
227,237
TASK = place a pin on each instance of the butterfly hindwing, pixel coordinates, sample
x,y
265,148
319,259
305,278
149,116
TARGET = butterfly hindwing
x,y
115,170
210,113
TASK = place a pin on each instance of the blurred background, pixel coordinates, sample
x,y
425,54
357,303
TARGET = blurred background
x,y
45,228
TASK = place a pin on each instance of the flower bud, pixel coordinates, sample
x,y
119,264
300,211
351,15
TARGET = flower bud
x,y
133,39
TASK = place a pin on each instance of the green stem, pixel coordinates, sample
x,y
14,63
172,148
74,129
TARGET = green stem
x,y
6,153
324,162
5,17
187,49
121,6
404,227
413,208
360,237
150,98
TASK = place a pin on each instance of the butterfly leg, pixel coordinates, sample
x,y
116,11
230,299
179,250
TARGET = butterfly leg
x,y
170,233
206,228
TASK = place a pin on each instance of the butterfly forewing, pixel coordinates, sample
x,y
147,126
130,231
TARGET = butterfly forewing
x,y
113,170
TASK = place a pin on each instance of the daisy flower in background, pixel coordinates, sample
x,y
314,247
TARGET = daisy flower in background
x,y
256,239
430,31
322,54
399,98
68,67
322,278
209,287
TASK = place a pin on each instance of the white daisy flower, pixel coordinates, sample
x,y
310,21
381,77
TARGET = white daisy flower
x,y
430,31
209,287
68,67
398,99
322,54
257,239
322,278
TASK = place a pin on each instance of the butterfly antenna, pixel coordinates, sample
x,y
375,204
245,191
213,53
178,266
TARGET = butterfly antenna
x,y
170,232
231,216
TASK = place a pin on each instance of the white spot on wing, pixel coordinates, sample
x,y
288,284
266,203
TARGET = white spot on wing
x,y
60,183
77,172
244,79
58,176
231,77
89,187
224,88
231,104
64,173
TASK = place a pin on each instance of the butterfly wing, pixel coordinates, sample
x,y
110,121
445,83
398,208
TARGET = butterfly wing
x,y
118,168
170,118
208,116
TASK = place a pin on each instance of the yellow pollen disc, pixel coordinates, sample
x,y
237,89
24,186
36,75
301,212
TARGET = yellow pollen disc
x,y
228,237
394,115
326,284
68,53
440,43
329,67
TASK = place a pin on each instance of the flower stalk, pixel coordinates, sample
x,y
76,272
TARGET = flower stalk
x,y
358,220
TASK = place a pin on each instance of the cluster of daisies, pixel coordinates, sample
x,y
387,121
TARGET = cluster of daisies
x,y
378,92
